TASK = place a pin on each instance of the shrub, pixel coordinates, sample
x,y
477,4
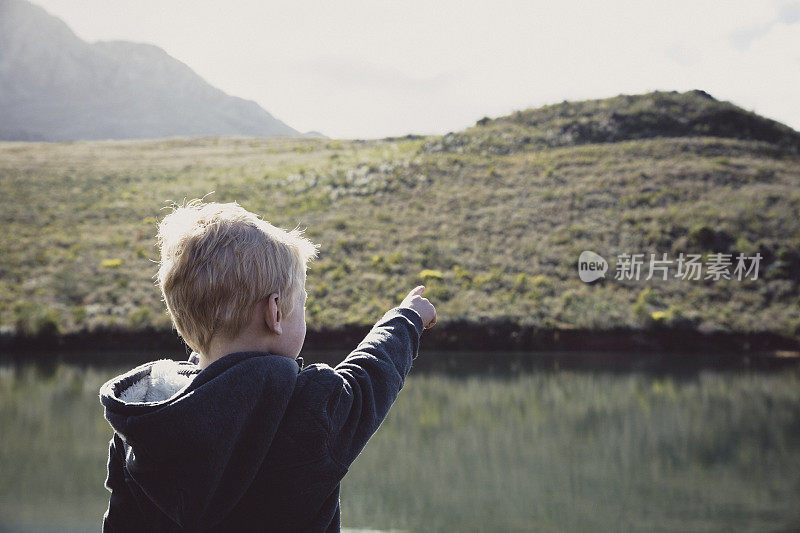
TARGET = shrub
x,y
32,319
79,314
521,282
427,274
438,292
23,313
463,276
646,298
140,317
48,322
707,239
658,317
542,281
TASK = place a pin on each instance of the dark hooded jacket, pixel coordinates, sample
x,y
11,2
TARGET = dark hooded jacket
x,y
253,442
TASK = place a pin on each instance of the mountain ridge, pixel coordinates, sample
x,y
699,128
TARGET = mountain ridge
x,y
61,88
621,118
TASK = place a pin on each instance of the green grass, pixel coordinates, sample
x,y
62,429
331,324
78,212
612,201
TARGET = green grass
x,y
545,451
500,229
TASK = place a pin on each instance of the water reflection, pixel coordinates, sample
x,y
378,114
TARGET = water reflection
x,y
499,441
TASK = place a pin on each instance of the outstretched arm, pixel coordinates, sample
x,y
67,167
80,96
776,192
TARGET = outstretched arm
x,y
368,381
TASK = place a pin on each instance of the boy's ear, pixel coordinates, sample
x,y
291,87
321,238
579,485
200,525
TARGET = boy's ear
x,y
273,314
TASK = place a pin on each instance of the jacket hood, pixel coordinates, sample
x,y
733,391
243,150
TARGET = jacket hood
x,y
194,439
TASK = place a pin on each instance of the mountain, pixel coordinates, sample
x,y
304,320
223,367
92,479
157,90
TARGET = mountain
x,y
314,134
56,87
659,114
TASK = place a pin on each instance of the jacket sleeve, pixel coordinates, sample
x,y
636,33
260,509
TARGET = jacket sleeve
x,y
123,513
368,381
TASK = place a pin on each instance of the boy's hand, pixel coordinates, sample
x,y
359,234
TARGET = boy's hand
x,y
421,305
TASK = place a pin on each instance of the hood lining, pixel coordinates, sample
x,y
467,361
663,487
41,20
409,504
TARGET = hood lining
x,y
164,380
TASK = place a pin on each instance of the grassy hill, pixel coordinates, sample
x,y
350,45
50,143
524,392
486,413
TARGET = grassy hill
x,y
491,218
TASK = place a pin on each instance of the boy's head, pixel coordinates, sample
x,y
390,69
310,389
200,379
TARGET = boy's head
x,y
218,261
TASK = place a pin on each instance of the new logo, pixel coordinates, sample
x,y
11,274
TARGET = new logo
x,y
591,266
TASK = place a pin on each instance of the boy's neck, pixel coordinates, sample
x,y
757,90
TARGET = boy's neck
x,y
220,349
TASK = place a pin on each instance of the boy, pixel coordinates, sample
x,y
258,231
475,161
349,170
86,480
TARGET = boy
x,y
243,436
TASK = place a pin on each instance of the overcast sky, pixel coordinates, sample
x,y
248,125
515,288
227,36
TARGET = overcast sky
x,y
365,69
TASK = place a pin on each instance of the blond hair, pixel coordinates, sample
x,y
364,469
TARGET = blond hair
x,y
218,261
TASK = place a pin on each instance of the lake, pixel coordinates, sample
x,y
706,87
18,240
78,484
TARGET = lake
x,y
524,442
